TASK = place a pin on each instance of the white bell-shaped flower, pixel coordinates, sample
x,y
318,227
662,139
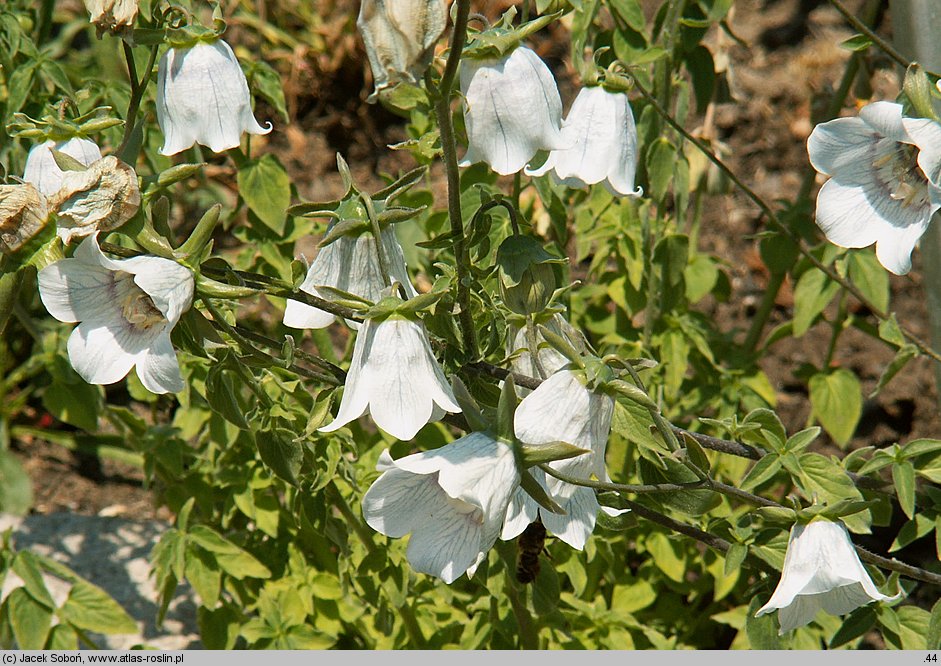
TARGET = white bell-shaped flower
x,y
563,409
350,264
395,378
821,572
451,500
512,110
885,181
602,140
125,310
42,170
203,97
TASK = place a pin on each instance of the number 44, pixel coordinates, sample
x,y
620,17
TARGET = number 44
x,y
931,658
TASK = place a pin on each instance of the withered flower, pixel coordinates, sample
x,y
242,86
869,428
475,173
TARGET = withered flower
x,y
112,15
100,198
23,213
400,38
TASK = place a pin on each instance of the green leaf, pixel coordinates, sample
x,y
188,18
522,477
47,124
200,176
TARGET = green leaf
x,y
203,574
544,453
825,479
857,624
62,637
933,635
30,619
763,471
762,631
16,489
890,331
813,293
870,277
905,354
280,453
631,12
266,188
89,607
535,490
660,159
27,566
903,477
701,68
856,43
668,555
77,404
837,402
267,83
734,557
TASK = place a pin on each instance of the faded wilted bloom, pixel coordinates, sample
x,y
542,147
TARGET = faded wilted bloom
x,y
564,409
203,97
395,378
885,181
42,170
512,110
821,572
451,500
125,310
400,37
101,198
602,140
112,15
23,213
350,264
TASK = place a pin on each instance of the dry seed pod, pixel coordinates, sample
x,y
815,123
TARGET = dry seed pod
x,y
23,213
400,37
101,198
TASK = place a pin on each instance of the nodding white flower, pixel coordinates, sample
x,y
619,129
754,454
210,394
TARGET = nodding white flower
x,y
821,572
884,181
395,378
42,170
125,310
351,264
563,409
451,500
602,137
202,97
512,110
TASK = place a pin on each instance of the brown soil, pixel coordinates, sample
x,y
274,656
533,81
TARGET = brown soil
x,y
789,63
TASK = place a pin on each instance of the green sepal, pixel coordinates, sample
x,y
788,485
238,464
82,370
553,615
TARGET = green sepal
x,y
917,88
209,287
398,187
519,254
536,455
561,345
423,302
347,227
201,236
622,388
834,511
469,407
384,308
502,39
695,453
345,175
397,214
778,515
66,162
315,209
178,173
506,409
344,298
539,494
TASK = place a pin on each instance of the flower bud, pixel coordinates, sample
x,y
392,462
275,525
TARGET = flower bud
x,y
400,37
529,274
101,198
112,15
23,213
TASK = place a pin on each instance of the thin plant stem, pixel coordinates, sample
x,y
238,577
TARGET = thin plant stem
x,y
138,87
449,153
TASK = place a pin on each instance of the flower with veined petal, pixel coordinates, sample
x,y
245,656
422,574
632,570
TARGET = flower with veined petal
x,y
512,110
203,97
885,181
602,136
350,264
394,376
451,500
42,170
125,310
821,572
563,409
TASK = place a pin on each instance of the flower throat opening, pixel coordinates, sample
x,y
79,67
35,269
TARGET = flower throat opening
x,y
897,169
136,306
